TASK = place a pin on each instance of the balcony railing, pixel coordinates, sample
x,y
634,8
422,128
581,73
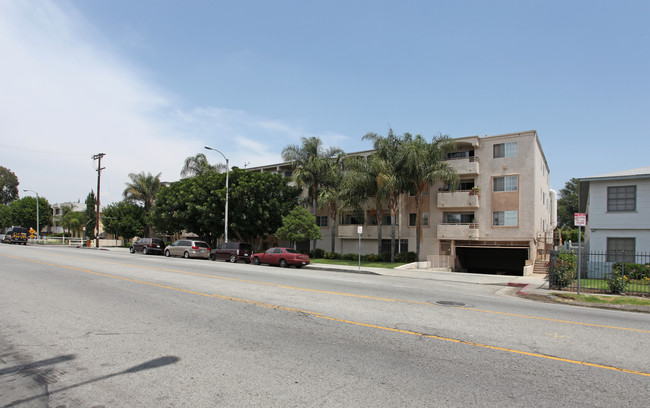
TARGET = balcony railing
x,y
465,165
458,231
457,199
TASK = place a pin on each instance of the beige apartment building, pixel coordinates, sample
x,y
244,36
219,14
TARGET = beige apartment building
x,y
500,219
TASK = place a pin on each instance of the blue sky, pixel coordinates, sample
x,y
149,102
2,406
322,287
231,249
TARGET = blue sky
x,y
150,83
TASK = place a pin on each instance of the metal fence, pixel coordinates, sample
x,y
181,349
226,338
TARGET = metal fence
x,y
613,272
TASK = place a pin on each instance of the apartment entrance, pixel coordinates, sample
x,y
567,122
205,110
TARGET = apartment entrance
x,y
492,260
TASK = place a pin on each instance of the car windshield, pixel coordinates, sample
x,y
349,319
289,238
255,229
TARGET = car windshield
x,y
201,244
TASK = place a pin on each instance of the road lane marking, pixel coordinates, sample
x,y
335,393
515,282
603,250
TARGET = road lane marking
x,y
383,299
351,322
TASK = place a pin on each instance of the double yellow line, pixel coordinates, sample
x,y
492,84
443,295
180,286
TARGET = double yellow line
x,y
335,319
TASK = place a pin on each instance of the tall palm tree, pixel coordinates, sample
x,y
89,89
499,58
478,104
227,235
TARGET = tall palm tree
x,y
364,180
424,165
331,196
389,152
197,165
310,166
143,188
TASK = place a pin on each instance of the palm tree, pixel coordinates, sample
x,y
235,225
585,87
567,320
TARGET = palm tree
x,y
389,152
331,196
424,165
143,188
197,165
365,179
310,166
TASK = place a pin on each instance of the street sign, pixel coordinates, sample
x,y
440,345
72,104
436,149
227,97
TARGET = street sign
x,y
359,229
580,219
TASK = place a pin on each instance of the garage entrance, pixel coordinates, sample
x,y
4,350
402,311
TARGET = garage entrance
x,y
493,261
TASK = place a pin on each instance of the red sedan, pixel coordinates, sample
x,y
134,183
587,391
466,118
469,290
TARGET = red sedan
x,y
281,256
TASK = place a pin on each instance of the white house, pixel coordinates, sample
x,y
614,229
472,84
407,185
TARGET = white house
x,y
618,210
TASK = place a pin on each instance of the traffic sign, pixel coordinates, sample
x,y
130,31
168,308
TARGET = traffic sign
x,y
580,219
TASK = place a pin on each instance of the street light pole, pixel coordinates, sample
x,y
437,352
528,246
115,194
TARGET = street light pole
x,y
225,228
38,229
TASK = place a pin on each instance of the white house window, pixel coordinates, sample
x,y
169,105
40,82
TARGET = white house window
x,y
507,183
425,219
412,219
505,218
621,249
622,198
505,150
458,218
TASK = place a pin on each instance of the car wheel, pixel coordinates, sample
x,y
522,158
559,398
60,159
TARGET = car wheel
x,y
283,263
233,258
298,266
256,261
186,255
145,251
167,253
213,257
132,250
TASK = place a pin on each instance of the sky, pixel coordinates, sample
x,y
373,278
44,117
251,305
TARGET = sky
x,y
151,82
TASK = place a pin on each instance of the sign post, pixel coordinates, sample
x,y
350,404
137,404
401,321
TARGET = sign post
x,y
579,220
359,231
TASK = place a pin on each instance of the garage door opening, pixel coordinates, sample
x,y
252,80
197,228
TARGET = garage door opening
x,y
492,261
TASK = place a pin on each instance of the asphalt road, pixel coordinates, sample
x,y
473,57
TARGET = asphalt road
x,y
91,328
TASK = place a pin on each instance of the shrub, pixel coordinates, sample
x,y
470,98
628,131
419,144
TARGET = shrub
x,y
563,271
384,256
331,255
372,258
406,257
617,282
319,253
350,257
632,270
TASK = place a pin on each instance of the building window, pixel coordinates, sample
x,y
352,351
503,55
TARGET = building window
x,y
372,218
352,219
507,183
425,219
288,173
621,198
321,221
412,219
505,150
621,249
504,218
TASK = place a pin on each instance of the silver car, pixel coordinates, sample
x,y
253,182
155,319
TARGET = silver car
x,y
188,248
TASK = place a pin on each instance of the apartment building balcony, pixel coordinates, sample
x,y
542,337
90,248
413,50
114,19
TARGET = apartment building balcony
x,y
465,165
351,231
458,231
458,199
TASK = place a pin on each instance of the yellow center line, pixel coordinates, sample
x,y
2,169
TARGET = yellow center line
x,y
353,295
351,322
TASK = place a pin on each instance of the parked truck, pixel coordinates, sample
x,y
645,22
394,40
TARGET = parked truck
x,y
16,235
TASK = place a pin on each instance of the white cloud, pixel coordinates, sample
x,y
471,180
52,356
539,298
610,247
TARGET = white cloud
x,y
65,98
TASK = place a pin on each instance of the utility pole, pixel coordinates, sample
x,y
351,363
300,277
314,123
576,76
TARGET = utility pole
x,y
99,175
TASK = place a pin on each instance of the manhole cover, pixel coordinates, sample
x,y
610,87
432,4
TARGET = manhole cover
x,y
449,303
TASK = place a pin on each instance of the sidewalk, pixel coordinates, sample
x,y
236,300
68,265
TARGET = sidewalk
x,y
529,284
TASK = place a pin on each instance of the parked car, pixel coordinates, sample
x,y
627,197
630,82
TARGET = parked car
x,y
148,246
281,256
188,248
233,252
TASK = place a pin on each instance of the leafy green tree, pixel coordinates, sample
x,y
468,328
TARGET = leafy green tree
x,y
298,225
23,212
198,165
144,189
568,203
332,197
124,218
424,165
5,217
90,215
310,165
8,186
256,205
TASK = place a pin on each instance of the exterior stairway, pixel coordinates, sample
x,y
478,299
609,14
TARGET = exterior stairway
x,y
540,268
